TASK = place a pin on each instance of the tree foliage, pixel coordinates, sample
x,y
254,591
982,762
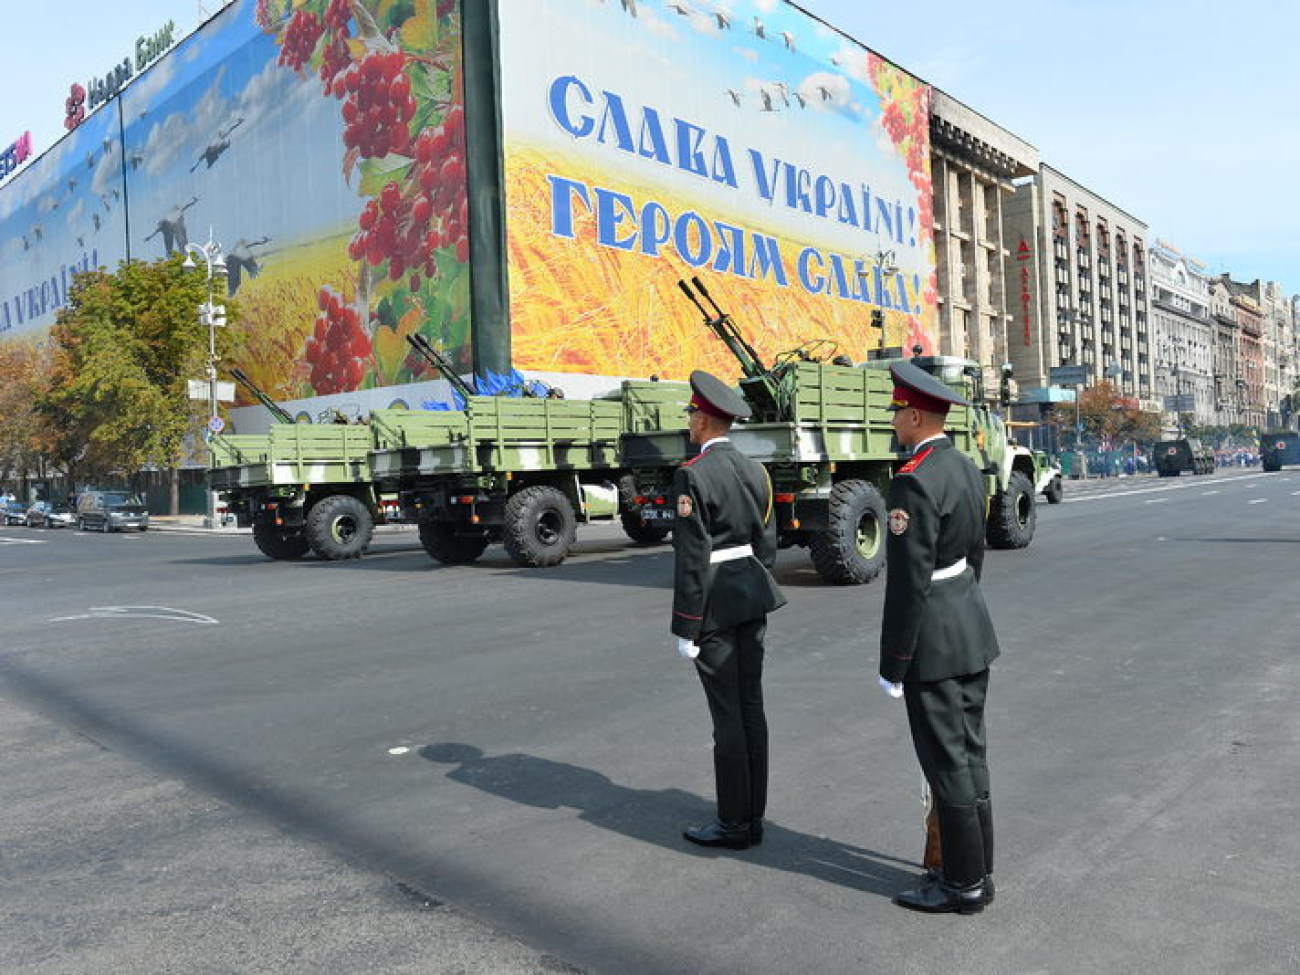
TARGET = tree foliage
x,y
1106,419
125,346
24,373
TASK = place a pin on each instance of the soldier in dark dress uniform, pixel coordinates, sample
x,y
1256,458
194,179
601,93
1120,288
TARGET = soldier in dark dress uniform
x,y
937,640
724,538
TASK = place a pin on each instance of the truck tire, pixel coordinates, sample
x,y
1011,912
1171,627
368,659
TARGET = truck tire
x,y
1271,465
444,545
1012,515
285,545
1055,492
339,527
641,532
851,551
539,526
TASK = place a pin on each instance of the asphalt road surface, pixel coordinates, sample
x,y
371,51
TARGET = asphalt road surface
x,y
218,763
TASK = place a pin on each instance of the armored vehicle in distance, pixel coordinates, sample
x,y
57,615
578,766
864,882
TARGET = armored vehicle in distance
x,y
1172,457
1279,448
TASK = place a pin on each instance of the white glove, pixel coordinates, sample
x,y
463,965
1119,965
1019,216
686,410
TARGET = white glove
x,y
686,649
890,688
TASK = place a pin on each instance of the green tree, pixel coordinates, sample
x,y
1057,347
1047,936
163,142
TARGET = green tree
x,y
24,372
126,345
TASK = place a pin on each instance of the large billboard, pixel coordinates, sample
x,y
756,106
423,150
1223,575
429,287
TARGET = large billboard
x,y
745,142
321,143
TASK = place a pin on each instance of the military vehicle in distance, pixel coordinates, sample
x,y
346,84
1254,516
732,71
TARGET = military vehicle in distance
x,y
824,433
1172,457
1049,481
1279,448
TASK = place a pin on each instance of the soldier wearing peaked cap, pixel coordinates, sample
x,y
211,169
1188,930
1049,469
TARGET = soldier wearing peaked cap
x,y
937,640
724,539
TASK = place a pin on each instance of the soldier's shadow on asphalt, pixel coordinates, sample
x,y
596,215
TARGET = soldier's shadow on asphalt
x,y
657,816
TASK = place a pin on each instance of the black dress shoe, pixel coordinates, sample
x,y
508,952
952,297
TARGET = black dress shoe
x,y
933,876
719,834
936,897
756,831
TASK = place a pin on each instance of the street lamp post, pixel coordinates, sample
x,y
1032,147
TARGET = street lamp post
x,y
213,316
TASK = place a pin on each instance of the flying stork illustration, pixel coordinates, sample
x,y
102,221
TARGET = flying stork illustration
x,y
218,146
241,260
172,228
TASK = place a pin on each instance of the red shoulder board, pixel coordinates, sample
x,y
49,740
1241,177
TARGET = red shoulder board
x,y
688,463
915,462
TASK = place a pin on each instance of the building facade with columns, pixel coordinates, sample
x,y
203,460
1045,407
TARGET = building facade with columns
x,y
973,164
1183,337
1082,292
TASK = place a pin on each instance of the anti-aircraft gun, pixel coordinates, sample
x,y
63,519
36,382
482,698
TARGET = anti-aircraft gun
x,y
275,409
823,431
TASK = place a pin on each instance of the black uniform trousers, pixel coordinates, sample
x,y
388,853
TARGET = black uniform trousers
x,y
730,665
947,721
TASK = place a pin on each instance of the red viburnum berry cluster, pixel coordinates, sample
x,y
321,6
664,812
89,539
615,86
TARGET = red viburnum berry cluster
x,y
378,105
263,15
338,347
300,39
406,226
440,171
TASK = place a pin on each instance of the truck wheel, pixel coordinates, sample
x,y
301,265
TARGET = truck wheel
x,y
440,540
539,526
1055,492
282,544
851,551
339,527
1269,465
641,532
1012,514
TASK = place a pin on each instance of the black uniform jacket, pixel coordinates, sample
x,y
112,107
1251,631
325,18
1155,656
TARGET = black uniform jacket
x,y
724,499
935,629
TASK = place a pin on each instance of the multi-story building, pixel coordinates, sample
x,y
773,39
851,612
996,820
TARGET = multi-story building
x,y
1247,393
1228,383
1080,277
973,164
1183,336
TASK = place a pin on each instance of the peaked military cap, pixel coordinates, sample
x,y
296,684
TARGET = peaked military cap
x,y
914,387
711,395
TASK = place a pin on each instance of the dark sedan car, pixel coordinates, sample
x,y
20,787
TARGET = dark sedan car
x,y
15,513
50,514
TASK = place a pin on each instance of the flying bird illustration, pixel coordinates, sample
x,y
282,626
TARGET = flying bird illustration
x,y
767,100
172,228
218,146
241,260
724,21
72,184
136,160
630,6
94,218
789,39
90,160
735,96
759,30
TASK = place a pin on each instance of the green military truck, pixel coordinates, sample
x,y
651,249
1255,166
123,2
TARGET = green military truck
x,y
1172,457
1278,448
824,433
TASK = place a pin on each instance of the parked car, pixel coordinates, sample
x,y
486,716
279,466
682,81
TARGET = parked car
x,y
15,513
50,514
109,511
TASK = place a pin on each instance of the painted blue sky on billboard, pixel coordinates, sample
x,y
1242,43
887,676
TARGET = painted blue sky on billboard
x,y
201,126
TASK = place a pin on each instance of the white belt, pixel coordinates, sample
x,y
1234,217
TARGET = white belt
x,y
949,572
730,554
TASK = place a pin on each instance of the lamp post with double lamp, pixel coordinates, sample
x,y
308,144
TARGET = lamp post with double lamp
x,y
883,261
213,316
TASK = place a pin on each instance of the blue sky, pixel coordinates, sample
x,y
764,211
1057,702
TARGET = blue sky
x,y
1182,112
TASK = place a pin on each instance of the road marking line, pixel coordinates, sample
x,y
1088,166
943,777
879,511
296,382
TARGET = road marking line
x,y
1155,500
138,612
1258,501
1205,494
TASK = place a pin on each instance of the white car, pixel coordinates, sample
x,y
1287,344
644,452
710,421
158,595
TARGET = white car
x,y
50,514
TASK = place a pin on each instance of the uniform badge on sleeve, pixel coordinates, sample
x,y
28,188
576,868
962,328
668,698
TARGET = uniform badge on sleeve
x,y
685,507
898,521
